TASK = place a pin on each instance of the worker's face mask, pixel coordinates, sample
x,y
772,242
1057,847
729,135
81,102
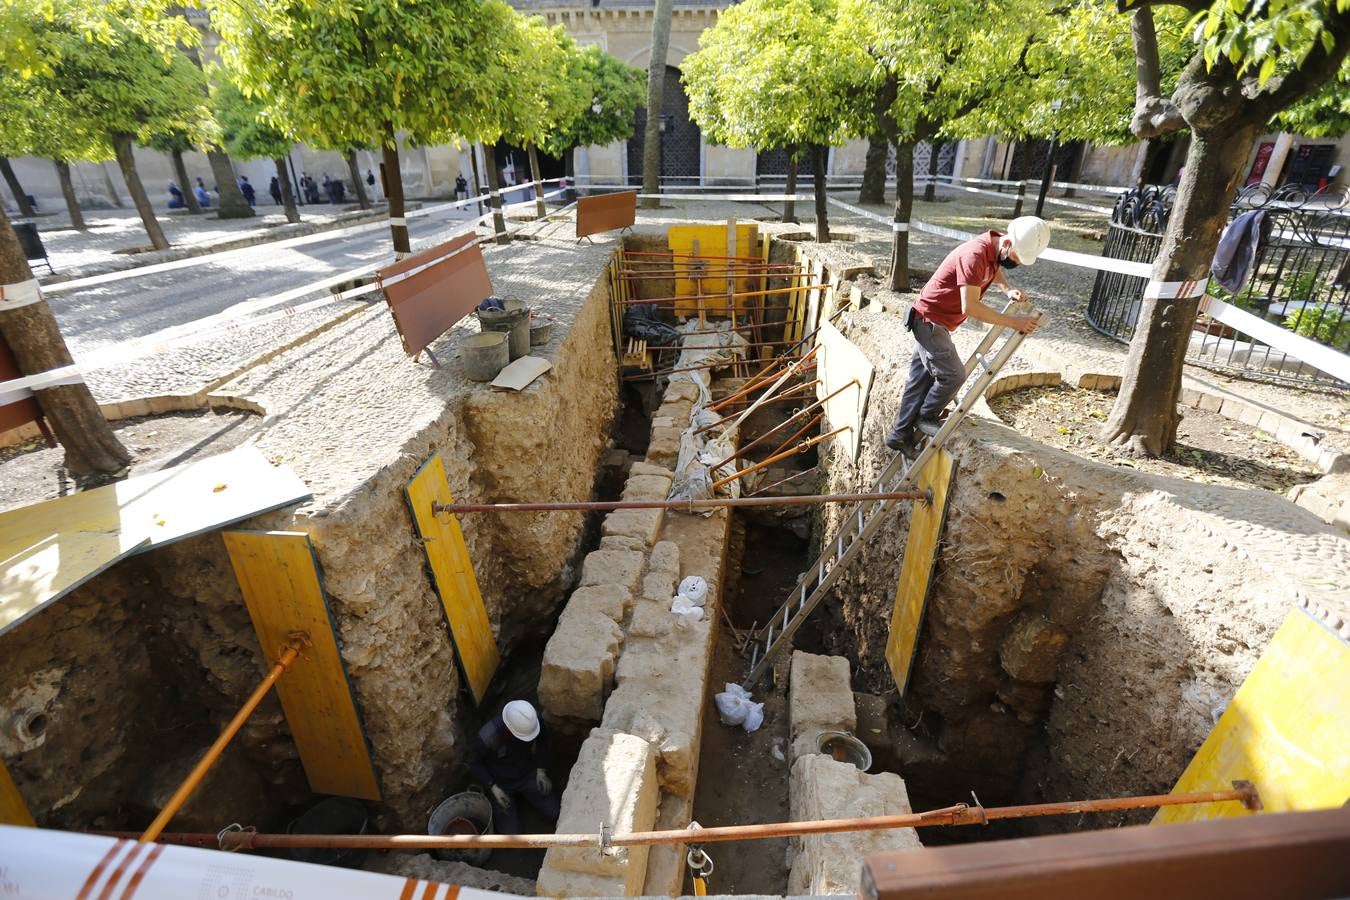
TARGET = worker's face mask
x,y
1005,258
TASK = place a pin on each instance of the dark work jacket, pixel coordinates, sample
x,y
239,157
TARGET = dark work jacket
x,y
496,756
1233,258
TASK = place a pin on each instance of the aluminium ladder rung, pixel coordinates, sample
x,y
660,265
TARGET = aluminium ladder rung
x,y
871,514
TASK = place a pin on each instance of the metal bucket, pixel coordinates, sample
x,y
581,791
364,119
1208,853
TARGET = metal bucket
x,y
334,815
485,355
845,748
540,332
514,321
467,813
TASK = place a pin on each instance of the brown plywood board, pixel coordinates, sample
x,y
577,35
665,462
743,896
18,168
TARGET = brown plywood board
x,y
20,412
279,578
453,279
916,571
48,549
605,212
838,363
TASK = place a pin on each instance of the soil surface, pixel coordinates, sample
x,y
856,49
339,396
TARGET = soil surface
x,y
32,472
1210,448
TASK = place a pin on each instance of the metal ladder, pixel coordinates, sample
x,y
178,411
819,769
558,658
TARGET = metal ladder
x,y
865,517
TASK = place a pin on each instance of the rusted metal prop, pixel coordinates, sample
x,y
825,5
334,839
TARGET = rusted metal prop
x,y
738,295
438,508
958,814
790,394
768,461
296,642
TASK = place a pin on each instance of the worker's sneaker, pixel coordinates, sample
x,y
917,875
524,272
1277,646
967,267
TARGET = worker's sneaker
x,y
931,427
901,441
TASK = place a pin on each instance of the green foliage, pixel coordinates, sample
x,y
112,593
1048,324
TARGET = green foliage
x,y
1273,37
1325,323
1325,113
613,91
780,73
39,122
544,81
247,134
104,69
350,71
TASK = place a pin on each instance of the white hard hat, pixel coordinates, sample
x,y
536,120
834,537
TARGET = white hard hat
x,y
1030,236
521,720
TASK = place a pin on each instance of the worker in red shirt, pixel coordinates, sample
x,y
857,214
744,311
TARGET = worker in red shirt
x,y
955,293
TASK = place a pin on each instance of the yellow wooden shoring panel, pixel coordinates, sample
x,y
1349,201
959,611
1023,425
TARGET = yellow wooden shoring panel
x,y
48,549
1287,730
759,318
709,240
796,300
839,362
279,579
916,571
13,811
456,583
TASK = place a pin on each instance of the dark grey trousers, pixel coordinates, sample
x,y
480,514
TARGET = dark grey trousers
x,y
936,374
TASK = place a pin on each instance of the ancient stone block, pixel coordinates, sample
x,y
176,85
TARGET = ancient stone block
x,y
820,694
646,468
622,542
665,558
651,619
1030,652
578,666
614,782
610,600
681,390
622,567
664,447
642,524
646,487
665,862
822,788
554,882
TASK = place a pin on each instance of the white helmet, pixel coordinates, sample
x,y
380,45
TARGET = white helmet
x,y
1030,236
521,720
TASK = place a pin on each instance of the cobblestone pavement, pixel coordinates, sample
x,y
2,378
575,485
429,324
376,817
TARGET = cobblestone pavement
x,y
100,318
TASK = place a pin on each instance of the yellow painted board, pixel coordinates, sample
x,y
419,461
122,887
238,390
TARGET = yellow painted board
x,y
279,578
49,549
710,241
452,570
838,363
1287,730
916,570
13,810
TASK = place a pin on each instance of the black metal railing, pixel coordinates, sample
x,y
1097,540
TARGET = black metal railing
x,y
1300,281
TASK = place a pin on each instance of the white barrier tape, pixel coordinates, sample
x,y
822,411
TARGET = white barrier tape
x,y
20,388
22,293
1099,263
947,179
1100,188
739,198
1319,356
899,226
398,220
1175,290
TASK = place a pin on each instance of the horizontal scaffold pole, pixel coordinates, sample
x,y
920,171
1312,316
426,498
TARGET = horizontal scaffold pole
x,y
710,503
959,814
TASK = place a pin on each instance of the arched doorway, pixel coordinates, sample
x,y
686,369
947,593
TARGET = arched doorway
x,y
680,142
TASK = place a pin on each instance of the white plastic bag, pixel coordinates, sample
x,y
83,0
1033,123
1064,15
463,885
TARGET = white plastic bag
x,y
694,589
682,607
734,707
754,717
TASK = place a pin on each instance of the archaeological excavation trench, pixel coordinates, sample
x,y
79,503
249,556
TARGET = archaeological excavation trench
x,y
1060,629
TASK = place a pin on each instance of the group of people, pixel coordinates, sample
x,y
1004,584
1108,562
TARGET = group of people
x,y
333,188
202,196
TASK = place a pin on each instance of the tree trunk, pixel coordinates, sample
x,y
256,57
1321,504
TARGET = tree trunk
x,y
1144,419
358,185
287,195
874,171
113,196
570,173
31,332
21,198
1047,176
495,193
818,153
127,163
930,187
232,202
539,209
180,172
904,207
393,175
790,206
656,85
68,191
477,179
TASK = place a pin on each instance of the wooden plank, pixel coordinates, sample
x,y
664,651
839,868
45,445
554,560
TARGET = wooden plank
x,y
452,570
605,212
279,578
839,362
1287,729
917,568
49,549
13,809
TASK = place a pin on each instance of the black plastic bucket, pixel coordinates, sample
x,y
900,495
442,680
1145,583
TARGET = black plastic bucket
x,y
334,815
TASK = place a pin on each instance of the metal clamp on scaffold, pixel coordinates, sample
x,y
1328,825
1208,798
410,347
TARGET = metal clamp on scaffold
x,y
700,864
235,828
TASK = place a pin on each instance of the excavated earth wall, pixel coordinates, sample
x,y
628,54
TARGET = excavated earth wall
x,y
1087,624
136,671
